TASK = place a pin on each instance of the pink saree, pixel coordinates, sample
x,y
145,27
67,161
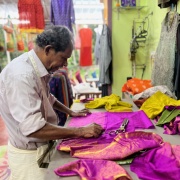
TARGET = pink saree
x,y
120,147
89,169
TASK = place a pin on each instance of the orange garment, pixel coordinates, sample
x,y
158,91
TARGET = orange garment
x,y
135,86
32,11
85,35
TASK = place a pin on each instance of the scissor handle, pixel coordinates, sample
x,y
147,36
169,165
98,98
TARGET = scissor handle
x,y
123,125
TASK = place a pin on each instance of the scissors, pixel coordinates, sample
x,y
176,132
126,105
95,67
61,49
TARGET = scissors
x,y
122,128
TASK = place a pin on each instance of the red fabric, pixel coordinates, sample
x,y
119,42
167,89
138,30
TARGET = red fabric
x,y
86,47
31,10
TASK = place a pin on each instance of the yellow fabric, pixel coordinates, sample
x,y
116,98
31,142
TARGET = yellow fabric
x,y
111,103
154,105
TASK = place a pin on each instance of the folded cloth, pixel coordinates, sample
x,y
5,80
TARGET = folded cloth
x,y
154,105
111,103
93,169
160,163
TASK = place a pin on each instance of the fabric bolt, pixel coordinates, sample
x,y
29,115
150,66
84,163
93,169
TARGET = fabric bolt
x,y
112,103
85,35
105,56
93,170
122,146
31,11
159,163
155,104
22,74
163,66
62,13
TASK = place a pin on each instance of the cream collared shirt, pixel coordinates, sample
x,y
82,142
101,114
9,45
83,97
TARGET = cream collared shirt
x,y
22,105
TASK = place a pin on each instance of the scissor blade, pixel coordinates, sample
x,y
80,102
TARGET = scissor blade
x,y
124,123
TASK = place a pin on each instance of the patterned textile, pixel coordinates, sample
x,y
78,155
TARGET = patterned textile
x,y
111,103
154,105
93,169
32,11
160,163
122,146
62,13
135,86
85,35
163,67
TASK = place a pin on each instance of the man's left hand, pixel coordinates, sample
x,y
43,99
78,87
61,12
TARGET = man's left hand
x,y
83,112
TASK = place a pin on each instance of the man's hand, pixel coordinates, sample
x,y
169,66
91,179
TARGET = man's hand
x,y
91,130
83,112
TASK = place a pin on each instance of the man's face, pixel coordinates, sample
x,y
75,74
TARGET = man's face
x,y
55,60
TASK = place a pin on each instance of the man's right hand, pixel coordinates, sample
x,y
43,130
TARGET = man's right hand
x,y
91,130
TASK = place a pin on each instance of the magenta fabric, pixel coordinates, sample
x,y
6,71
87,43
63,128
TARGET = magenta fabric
x,y
93,170
172,127
122,146
112,120
160,163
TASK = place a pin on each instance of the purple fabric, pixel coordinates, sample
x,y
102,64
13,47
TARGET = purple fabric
x,y
170,108
62,13
93,170
107,147
111,121
172,127
161,163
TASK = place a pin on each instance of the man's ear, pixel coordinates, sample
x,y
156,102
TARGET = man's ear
x,y
47,49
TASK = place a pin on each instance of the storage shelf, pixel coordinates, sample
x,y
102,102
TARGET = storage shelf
x,y
118,9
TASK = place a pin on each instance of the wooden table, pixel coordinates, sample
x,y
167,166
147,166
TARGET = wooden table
x,y
61,158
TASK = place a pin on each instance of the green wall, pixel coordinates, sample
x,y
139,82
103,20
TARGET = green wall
x,y
121,38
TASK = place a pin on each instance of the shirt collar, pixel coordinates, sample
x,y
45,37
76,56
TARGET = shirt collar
x,y
41,68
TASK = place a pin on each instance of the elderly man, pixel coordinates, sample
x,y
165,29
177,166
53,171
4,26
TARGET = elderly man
x,y
26,105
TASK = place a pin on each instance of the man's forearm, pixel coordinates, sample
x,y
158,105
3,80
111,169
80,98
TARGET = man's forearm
x,y
61,107
52,132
